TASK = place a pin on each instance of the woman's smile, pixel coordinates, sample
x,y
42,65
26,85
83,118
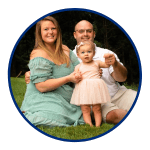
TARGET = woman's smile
x,y
48,32
50,36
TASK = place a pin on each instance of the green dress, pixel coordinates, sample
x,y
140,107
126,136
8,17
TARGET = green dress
x,y
51,108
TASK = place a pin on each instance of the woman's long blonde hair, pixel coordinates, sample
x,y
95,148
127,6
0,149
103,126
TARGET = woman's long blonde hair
x,y
59,55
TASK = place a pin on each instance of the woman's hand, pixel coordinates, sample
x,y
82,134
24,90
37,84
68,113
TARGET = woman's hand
x,y
78,75
75,77
27,77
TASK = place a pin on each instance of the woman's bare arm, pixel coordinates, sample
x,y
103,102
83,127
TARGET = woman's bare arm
x,y
52,84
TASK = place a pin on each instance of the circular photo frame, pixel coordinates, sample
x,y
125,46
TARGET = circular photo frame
x,y
78,10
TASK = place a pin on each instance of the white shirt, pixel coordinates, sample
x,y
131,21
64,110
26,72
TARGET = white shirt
x,y
112,85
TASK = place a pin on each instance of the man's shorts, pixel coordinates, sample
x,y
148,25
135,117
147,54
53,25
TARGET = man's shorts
x,y
122,100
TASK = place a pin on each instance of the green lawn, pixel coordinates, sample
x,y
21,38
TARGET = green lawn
x,y
72,133
19,88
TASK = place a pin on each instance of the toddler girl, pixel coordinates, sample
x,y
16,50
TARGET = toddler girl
x,y
91,90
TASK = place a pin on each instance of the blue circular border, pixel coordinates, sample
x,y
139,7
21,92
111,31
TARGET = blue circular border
x,y
76,9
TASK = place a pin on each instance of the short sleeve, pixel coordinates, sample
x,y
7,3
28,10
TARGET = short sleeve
x,y
73,58
40,69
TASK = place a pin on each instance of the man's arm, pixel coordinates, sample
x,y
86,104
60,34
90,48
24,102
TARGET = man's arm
x,y
120,72
27,77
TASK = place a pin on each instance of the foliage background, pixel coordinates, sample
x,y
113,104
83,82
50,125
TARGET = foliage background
x,y
108,36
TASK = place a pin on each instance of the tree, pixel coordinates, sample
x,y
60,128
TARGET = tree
x,y
22,53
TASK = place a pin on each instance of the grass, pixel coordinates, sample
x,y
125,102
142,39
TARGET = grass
x,y
133,86
72,133
18,86
78,132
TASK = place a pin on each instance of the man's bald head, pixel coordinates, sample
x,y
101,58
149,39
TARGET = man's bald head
x,y
83,23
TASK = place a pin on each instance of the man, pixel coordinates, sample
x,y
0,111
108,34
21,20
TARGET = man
x,y
121,97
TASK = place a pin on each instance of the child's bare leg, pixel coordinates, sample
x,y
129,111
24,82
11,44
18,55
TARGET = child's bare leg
x,y
97,114
86,110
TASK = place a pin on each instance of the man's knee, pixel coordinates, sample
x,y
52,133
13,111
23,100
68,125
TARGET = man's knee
x,y
115,116
112,116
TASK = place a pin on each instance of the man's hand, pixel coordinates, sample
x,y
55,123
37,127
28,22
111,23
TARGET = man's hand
x,y
100,72
120,72
27,77
110,59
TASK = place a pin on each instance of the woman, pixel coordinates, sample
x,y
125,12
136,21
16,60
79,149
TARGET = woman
x,y
47,98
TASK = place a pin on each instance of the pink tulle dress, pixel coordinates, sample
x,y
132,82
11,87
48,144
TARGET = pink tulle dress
x,y
91,89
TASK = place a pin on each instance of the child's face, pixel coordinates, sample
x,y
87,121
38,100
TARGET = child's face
x,y
85,53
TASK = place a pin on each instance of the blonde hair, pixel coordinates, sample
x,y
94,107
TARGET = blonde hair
x,y
85,43
59,54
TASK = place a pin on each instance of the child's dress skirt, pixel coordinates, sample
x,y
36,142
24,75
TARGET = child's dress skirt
x,y
90,91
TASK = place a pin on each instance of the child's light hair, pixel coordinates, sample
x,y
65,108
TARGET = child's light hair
x,y
85,43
